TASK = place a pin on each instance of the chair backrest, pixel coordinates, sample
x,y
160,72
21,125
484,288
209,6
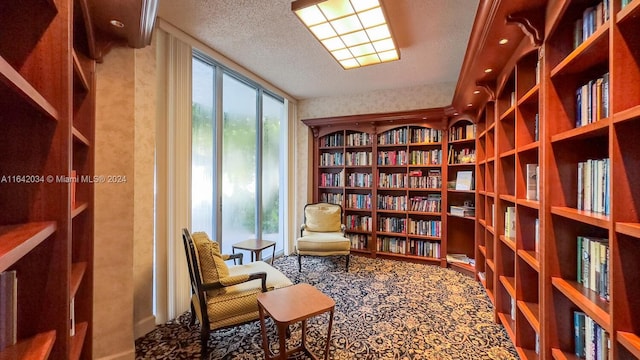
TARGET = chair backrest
x,y
195,276
323,217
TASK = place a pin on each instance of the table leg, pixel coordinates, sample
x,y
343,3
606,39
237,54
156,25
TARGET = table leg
x,y
282,337
326,350
263,326
258,255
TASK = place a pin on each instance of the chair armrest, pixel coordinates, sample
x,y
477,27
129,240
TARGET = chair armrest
x,y
238,279
302,227
233,257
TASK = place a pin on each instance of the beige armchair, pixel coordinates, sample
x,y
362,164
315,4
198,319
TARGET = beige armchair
x,y
224,296
322,233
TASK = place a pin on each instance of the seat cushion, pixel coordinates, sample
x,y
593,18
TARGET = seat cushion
x,y
323,244
239,302
323,217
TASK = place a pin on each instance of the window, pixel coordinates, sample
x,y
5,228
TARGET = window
x,y
237,157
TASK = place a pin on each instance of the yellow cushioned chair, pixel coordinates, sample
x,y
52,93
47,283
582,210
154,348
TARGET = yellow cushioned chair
x,y
223,296
322,233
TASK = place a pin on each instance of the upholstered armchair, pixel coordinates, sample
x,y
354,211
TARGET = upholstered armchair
x,y
224,296
322,233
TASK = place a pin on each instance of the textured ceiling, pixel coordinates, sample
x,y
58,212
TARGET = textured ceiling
x,y
266,38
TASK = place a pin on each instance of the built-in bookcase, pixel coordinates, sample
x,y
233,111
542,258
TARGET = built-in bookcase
x,y
389,177
461,162
47,102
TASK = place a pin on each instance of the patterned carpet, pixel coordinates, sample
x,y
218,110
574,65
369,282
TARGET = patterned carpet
x,y
384,310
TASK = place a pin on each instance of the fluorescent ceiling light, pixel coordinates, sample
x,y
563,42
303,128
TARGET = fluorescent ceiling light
x,y
354,32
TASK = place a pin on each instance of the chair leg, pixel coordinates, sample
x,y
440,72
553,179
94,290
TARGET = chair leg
x,y
299,263
348,257
192,317
204,340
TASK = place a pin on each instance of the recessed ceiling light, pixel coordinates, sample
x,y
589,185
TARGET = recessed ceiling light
x,y
117,23
476,92
455,114
503,41
488,70
469,104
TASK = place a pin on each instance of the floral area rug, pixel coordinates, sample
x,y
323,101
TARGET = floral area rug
x,y
385,309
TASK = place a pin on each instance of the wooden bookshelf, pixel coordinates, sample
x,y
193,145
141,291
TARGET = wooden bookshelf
x,y
47,102
397,171
545,125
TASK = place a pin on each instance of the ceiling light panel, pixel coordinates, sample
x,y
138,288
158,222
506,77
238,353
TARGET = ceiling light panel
x,y
355,32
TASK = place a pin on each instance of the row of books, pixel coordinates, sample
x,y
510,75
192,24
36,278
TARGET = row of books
x,y
462,211
359,222
331,198
360,158
358,241
425,182
358,139
592,342
359,180
462,132
332,140
392,224
425,227
462,156
390,202
425,136
424,248
332,179
592,101
429,203
332,159
594,186
399,157
593,264
510,222
395,180
592,19
392,245
358,201
426,157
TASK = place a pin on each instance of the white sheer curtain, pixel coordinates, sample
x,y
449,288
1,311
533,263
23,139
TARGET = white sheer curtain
x,y
173,169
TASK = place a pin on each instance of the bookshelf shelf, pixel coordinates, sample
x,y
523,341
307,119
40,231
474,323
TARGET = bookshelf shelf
x,y
531,312
534,146
626,115
591,52
462,141
530,96
586,299
509,325
532,204
630,341
509,242
77,273
491,265
77,340
491,229
465,268
561,355
586,217
527,354
596,129
509,198
18,84
530,257
628,13
508,114
507,153
509,285
17,240
79,137
35,348
631,229
79,73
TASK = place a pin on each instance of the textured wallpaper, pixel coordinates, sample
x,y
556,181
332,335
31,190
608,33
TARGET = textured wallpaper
x,y
381,101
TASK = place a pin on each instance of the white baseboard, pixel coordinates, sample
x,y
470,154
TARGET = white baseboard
x,y
144,326
125,355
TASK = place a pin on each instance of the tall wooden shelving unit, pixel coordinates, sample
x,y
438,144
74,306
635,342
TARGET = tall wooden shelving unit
x,y
461,230
378,199
537,125
47,115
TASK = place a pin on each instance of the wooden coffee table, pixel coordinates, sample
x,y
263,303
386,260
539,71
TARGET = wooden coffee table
x,y
288,306
255,246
